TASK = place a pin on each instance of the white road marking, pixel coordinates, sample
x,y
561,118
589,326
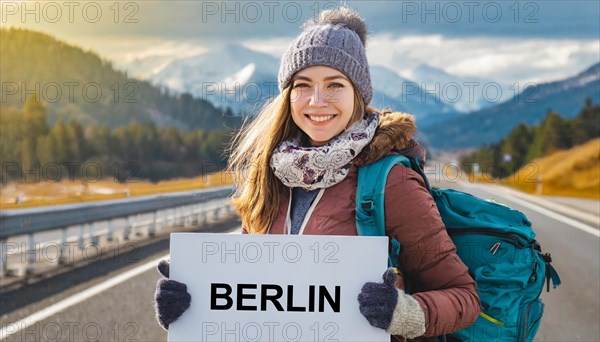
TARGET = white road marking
x,y
571,222
10,329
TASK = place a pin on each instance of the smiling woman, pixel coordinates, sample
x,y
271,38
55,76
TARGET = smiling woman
x,y
322,103
296,168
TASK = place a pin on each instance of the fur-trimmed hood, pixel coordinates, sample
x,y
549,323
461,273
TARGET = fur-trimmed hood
x,y
395,134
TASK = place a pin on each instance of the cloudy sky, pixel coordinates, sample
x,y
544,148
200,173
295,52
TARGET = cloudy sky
x,y
507,41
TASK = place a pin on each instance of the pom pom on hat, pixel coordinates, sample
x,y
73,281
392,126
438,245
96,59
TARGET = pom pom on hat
x,y
343,16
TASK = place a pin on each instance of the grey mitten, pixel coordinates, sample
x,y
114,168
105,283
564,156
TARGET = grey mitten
x,y
171,297
389,308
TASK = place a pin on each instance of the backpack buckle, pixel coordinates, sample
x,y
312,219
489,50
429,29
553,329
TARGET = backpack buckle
x,y
547,257
367,205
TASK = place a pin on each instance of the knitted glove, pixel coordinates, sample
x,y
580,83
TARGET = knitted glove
x,y
389,308
171,297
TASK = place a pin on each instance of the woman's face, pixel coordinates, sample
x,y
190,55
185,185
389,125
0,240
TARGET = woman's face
x,y
322,102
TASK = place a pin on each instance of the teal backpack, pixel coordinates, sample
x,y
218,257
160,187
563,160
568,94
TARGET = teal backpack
x,y
496,243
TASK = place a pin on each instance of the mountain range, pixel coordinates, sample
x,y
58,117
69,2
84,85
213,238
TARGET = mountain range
x,y
529,107
75,84
209,91
242,79
464,94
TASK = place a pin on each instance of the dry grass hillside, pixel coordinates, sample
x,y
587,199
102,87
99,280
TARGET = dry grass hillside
x,y
574,172
26,195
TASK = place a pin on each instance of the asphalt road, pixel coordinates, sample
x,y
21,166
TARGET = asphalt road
x,y
124,312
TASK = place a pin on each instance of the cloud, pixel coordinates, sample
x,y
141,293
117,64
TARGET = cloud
x,y
274,47
506,60
169,49
238,20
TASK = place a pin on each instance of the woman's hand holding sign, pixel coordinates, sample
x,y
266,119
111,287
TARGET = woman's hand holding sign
x,y
389,308
171,297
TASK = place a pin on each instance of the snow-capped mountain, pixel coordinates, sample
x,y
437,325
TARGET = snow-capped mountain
x,y
394,91
147,67
216,66
582,79
464,94
232,76
489,125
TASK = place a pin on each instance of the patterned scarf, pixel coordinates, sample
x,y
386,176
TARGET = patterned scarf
x,y
319,167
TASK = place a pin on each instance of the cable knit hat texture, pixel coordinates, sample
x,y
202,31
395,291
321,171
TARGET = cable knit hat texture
x,y
337,39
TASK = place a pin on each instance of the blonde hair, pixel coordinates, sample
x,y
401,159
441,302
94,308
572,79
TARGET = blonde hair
x,y
256,197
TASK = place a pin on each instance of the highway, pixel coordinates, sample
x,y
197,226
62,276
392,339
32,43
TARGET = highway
x,y
111,300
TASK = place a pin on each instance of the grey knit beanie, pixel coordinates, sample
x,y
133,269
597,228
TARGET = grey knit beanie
x,y
336,39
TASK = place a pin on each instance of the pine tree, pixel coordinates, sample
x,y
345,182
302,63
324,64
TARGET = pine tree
x,y
76,144
34,115
556,135
586,125
34,126
516,145
60,139
11,135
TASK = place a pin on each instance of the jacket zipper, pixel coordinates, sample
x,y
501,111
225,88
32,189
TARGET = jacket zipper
x,y
288,220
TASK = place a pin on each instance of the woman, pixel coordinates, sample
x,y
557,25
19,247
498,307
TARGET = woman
x,y
302,152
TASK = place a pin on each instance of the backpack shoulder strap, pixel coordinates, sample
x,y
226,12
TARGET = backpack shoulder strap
x,y
370,206
372,178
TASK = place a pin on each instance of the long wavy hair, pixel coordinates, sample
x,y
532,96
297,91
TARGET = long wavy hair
x,y
256,197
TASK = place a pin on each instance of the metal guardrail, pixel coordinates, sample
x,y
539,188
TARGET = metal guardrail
x,y
179,208
27,221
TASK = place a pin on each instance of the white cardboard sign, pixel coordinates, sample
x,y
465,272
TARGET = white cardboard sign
x,y
275,287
